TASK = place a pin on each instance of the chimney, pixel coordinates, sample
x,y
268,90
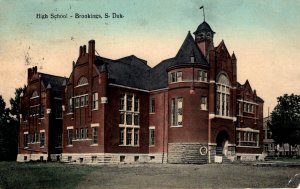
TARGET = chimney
x,y
80,51
92,47
30,73
84,50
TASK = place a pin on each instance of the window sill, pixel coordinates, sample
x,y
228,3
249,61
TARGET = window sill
x,y
176,126
94,145
42,146
81,85
152,145
248,146
70,113
204,109
152,113
70,145
94,109
129,145
85,139
26,147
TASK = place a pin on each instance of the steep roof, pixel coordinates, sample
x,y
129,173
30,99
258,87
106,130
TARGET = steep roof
x,y
188,49
203,27
56,82
129,71
159,76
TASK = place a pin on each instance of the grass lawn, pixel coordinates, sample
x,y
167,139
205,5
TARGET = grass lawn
x,y
41,175
56,175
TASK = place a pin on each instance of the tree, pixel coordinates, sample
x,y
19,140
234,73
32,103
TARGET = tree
x,y
285,120
4,121
15,103
9,127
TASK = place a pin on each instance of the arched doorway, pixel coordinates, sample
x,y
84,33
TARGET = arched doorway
x,y
222,143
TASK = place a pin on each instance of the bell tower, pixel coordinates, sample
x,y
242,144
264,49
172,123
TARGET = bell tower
x,y
204,36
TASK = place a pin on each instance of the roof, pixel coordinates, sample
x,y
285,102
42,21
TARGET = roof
x,y
203,27
188,49
159,76
56,82
128,71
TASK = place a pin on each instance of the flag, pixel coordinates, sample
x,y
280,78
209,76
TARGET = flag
x,y
201,7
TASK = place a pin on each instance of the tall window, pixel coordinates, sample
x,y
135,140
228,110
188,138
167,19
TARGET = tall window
x,y
70,104
202,75
152,105
203,103
176,111
58,109
26,140
95,101
82,81
42,139
129,120
70,136
223,96
151,136
95,135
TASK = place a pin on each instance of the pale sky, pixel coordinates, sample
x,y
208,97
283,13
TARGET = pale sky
x,y
264,34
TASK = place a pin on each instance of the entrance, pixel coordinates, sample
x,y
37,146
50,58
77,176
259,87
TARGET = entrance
x,y
222,143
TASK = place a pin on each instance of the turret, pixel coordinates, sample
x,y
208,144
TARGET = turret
x,y
204,38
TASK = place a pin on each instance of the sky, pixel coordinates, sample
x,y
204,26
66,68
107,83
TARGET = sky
x,y
263,34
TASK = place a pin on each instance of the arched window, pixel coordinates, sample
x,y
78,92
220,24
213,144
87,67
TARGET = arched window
x,y
82,81
223,96
34,94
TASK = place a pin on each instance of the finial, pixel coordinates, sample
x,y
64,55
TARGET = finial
x,y
202,7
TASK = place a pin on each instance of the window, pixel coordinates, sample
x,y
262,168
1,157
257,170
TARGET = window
x,y
81,101
81,133
77,102
129,122
249,139
222,97
26,140
203,103
248,107
58,109
86,134
77,134
95,101
179,76
95,135
152,105
82,81
86,100
175,77
42,111
176,111
58,139
70,136
70,105
122,136
202,75
42,139
129,103
36,137
151,136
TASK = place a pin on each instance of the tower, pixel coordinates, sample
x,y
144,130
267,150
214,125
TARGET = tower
x,y
204,36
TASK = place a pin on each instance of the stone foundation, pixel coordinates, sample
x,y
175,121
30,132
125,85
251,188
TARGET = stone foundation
x,y
249,157
31,157
187,153
111,158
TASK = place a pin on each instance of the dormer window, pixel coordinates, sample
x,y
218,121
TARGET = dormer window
x,y
82,81
35,94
